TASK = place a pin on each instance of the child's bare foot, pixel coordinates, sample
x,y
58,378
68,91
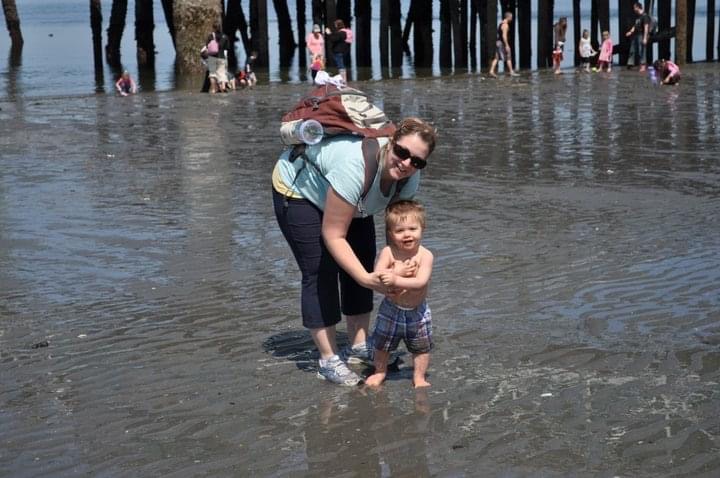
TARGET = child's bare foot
x,y
420,382
375,380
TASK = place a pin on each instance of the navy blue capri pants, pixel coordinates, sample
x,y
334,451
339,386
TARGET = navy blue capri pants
x,y
301,223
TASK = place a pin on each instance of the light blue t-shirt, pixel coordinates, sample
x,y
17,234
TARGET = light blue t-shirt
x,y
341,164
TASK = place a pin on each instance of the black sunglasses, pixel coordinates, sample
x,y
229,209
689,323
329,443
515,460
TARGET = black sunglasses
x,y
403,153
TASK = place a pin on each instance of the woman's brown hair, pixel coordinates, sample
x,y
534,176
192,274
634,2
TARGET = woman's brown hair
x,y
417,126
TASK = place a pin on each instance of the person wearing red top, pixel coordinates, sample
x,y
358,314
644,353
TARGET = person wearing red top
x,y
125,84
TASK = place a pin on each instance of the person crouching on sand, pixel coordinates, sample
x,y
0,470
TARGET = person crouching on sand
x,y
125,85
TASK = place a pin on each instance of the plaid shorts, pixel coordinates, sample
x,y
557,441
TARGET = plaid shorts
x,y
414,327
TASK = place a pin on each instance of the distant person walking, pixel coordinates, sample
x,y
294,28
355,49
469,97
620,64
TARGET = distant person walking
x,y
559,32
502,47
640,33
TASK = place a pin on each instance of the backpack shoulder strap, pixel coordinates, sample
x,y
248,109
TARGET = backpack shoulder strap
x,y
371,150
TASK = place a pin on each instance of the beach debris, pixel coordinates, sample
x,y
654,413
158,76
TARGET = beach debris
x,y
82,336
546,394
40,345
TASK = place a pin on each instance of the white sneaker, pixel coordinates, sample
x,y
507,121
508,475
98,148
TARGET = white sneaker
x,y
357,354
334,370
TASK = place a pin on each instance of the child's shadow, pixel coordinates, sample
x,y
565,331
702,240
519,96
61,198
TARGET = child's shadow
x,y
297,346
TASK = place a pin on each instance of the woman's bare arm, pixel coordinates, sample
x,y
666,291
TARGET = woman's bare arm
x,y
337,216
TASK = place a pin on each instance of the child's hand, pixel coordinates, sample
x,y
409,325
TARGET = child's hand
x,y
387,278
407,268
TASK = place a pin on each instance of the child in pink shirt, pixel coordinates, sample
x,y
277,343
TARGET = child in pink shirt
x,y
606,52
318,64
669,72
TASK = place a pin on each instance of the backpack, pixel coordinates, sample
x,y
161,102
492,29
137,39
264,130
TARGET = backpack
x,y
348,35
213,47
653,26
340,111
343,111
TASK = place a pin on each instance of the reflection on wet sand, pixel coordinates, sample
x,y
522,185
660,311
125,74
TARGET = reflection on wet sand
x,y
575,288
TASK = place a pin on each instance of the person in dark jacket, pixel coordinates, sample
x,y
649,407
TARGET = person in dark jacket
x,y
339,46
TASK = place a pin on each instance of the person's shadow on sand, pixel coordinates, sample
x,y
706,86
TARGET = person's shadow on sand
x,y
297,346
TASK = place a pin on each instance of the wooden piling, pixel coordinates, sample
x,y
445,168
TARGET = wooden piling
x,y
626,19
604,18
12,21
491,23
118,12
285,33
458,37
96,28
168,11
144,27
396,45
595,36
463,35
664,18
235,21
524,18
710,31
487,50
194,21
363,36
422,38
302,51
409,19
259,32
681,32
690,30
545,32
343,11
577,31
472,45
445,35
318,13
384,34
330,13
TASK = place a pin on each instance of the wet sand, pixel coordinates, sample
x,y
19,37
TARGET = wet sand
x,y
576,292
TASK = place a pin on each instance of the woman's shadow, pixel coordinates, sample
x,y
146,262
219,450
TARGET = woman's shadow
x,y
297,346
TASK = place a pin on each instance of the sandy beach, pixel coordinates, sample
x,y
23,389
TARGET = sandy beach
x,y
149,306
